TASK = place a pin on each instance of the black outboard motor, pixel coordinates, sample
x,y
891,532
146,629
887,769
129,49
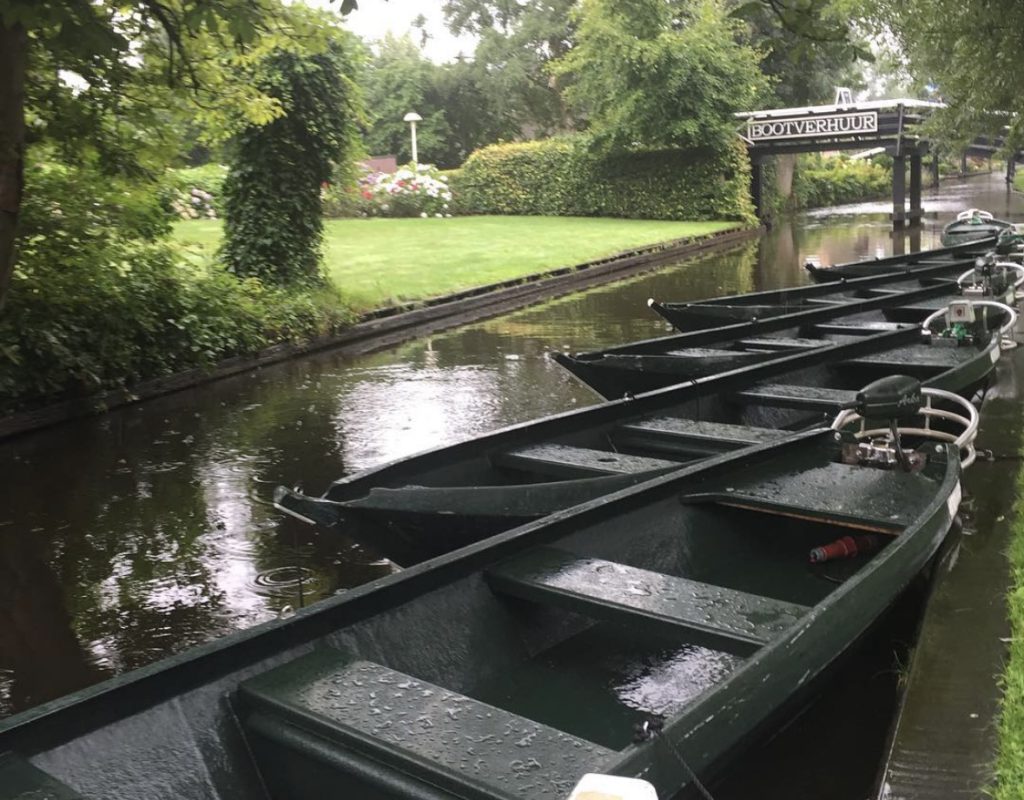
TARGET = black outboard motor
x,y
895,398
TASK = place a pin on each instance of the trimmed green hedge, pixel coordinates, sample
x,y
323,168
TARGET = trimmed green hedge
x,y
565,177
821,182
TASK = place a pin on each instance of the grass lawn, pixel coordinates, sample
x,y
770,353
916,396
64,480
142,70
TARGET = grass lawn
x,y
1010,761
381,261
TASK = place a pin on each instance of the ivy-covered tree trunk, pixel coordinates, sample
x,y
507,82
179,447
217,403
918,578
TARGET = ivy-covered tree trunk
x,y
272,210
13,61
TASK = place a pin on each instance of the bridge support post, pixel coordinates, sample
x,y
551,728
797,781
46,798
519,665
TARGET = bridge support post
x,y
757,186
899,191
935,169
916,211
963,164
1011,166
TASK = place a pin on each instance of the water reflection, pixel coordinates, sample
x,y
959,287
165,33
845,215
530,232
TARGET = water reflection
x,y
127,538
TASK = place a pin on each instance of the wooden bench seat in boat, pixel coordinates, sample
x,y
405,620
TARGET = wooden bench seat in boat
x,y
325,711
865,328
675,434
783,343
607,590
810,398
922,356
704,352
566,461
823,494
19,780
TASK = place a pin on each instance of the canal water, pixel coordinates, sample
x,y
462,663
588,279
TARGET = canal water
x,y
130,537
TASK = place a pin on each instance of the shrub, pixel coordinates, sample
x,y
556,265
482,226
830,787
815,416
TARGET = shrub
x,y
196,191
565,176
272,194
821,182
100,299
412,191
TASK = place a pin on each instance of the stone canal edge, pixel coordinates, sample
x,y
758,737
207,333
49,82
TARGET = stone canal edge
x,y
389,326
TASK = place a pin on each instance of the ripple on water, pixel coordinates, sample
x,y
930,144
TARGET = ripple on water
x,y
286,580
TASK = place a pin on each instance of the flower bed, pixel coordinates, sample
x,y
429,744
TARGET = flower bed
x,y
412,191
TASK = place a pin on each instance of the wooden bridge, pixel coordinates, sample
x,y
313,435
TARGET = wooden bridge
x,y
847,125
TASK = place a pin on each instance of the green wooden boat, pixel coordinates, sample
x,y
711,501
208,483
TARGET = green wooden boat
x,y
971,226
956,358
982,276
431,503
907,263
644,634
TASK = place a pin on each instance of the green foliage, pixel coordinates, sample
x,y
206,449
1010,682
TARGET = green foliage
x,y
516,43
458,103
660,75
196,191
567,177
100,298
1009,764
969,53
805,64
272,193
820,182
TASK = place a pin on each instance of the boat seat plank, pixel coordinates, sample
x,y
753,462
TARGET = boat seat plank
x,y
566,461
921,356
624,594
434,735
865,328
783,343
703,352
811,398
693,436
20,780
837,494
820,301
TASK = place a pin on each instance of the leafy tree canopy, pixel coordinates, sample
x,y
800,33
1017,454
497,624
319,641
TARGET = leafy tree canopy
x,y
457,102
804,63
650,73
517,41
107,82
969,53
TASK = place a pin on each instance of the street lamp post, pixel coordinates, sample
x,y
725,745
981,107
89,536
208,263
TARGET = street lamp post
x,y
412,118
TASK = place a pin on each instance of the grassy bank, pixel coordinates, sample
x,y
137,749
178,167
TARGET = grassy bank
x,y
1010,761
376,262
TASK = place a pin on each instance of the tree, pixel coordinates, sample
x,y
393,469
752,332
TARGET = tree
x,y
517,42
969,51
459,108
273,214
98,41
805,69
650,73
398,80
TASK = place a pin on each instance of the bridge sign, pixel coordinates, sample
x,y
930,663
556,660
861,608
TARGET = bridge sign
x,y
841,124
